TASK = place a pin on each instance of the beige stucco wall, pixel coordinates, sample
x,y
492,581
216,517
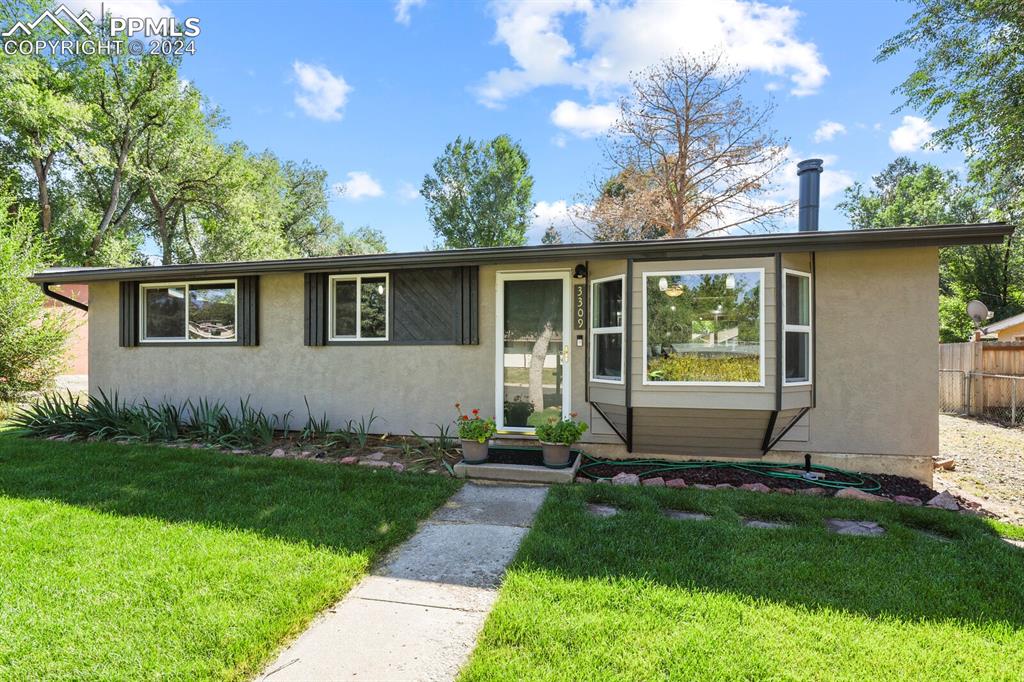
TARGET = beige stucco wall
x,y
412,388
877,369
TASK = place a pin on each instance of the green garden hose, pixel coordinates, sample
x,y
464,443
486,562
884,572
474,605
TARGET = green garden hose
x,y
770,470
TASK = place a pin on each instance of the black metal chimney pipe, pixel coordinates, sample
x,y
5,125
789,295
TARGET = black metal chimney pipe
x,y
809,172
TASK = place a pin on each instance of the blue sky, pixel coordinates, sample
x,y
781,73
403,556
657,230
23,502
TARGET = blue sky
x,y
373,91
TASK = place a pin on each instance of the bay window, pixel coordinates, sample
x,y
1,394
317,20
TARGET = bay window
x,y
704,327
606,329
797,327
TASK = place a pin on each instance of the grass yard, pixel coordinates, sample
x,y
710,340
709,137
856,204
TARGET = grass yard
x,y
124,562
639,596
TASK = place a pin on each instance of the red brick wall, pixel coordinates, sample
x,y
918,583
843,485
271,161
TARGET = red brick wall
x,y
78,342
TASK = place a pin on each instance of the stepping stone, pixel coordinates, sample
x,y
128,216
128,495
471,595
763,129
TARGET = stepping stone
x,y
769,525
602,510
677,515
847,527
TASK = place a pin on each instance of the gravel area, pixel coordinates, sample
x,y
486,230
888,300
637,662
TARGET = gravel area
x,y
989,464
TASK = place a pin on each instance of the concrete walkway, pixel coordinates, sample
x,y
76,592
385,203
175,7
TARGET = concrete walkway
x,y
418,616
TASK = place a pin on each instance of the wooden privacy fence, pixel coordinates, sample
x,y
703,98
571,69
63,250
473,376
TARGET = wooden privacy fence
x,y
982,379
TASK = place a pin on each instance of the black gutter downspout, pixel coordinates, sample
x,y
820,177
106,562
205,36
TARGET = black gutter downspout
x,y
45,286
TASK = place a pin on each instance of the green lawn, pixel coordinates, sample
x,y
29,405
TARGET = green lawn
x,y
122,562
641,597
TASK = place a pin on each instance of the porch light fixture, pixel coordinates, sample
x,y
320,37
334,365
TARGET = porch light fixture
x,y
580,272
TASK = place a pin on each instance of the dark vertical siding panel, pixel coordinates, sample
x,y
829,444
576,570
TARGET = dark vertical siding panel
x,y
129,317
470,301
248,310
315,309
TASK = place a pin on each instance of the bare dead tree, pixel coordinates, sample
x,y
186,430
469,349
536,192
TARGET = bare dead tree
x,y
688,157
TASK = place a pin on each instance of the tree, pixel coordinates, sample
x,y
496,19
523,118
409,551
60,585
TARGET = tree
x,y
969,68
907,193
32,338
480,194
689,157
551,236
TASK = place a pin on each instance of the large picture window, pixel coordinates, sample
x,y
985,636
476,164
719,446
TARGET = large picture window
x,y
189,311
797,343
704,327
606,329
359,307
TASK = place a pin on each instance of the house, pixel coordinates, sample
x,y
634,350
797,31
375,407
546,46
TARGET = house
x,y
77,355
1010,329
766,346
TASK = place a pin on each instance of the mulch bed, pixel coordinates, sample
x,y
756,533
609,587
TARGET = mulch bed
x,y
891,485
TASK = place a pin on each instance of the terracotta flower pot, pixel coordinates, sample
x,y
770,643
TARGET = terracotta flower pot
x,y
556,455
474,452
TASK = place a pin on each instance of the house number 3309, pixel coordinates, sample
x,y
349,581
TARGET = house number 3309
x,y
579,300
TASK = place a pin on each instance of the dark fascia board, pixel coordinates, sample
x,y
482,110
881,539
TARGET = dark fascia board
x,y
663,249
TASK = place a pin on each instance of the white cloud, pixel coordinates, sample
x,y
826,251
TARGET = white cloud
x,y
559,213
408,192
322,95
615,39
584,121
834,180
403,9
910,136
828,130
360,185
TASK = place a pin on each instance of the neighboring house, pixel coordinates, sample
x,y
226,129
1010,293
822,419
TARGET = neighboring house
x,y
765,346
1010,329
78,341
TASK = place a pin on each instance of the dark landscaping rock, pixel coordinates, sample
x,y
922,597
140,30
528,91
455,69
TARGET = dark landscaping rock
x,y
855,494
625,479
907,500
677,515
656,482
944,500
848,527
756,487
602,510
675,483
766,525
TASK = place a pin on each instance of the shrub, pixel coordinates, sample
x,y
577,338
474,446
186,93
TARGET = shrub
x,y
474,427
741,368
562,431
32,338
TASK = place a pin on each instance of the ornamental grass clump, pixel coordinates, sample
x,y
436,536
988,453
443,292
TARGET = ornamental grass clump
x,y
561,431
473,427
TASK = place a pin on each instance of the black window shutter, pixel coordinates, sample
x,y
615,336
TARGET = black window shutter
x,y
469,301
129,322
315,306
249,310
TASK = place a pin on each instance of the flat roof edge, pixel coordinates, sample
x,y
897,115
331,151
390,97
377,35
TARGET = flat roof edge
x,y
747,245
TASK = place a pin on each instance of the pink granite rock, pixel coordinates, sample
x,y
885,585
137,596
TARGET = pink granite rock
x,y
944,500
906,499
656,482
351,459
625,479
398,467
856,494
785,491
675,483
725,486
814,490
583,480
756,487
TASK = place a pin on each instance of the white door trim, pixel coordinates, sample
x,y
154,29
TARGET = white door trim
x,y
499,340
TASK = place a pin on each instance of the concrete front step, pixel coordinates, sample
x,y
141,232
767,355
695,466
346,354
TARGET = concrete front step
x,y
518,473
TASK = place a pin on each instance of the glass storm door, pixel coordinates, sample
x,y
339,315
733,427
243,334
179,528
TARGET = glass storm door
x,y
533,349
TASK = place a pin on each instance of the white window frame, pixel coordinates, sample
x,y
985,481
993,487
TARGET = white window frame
x,y
186,285
644,276
620,330
803,328
358,279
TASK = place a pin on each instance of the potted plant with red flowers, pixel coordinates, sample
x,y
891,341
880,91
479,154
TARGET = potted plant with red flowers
x,y
557,437
474,431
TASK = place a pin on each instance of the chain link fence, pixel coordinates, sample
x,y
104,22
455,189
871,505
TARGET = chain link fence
x,y
998,397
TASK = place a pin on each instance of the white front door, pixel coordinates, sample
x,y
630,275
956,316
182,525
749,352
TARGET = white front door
x,y
533,335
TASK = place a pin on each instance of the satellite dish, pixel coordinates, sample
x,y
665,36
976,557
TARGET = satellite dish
x,y
979,312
